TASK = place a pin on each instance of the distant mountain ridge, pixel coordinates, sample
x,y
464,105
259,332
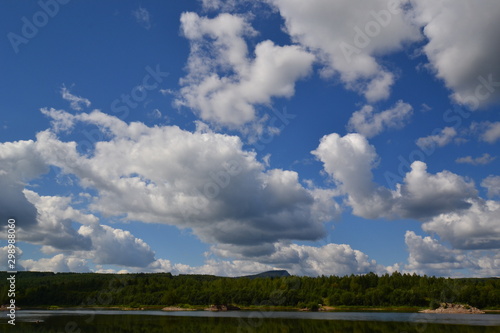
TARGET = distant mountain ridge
x,y
276,273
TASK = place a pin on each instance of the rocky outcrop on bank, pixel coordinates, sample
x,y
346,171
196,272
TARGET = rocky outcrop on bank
x,y
453,308
220,307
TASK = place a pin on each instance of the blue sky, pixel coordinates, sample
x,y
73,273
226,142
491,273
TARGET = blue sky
x,y
233,137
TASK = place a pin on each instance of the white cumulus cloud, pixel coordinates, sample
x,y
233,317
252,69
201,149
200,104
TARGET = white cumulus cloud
x,y
369,123
486,131
349,36
481,160
58,263
54,223
492,184
224,83
116,246
200,180
349,161
429,256
473,228
19,163
440,138
463,52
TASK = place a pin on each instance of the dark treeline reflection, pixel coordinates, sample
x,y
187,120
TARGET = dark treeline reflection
x,y
153,324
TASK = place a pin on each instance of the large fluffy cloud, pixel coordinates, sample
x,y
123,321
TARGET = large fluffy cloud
x,y
330,259
212,267
58,263
426,255
448,204
474,228
424,195
463,52
349,161
224,83
49,221
104,245
54,223
19,163
429,256
348,36
116,247
65,230
202,180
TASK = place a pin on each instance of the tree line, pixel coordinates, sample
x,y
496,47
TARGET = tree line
x,y
163,289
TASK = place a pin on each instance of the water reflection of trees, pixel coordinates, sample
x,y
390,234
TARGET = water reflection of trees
x,y
156,324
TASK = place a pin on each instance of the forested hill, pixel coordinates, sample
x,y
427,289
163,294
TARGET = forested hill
x,y
164,289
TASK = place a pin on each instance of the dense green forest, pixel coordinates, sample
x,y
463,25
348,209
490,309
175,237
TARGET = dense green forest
x,y
163,289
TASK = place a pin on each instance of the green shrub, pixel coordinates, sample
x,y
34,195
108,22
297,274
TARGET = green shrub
x,y
313,306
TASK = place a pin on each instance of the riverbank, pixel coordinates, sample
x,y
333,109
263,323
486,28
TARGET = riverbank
x,y
186,307
176,308
263,308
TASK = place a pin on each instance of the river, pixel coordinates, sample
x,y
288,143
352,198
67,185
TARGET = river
x,y
114,321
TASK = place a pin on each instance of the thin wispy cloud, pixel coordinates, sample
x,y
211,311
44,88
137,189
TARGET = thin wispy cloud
x,y
442,138
492,185
76,102
487,131
481,160
143,17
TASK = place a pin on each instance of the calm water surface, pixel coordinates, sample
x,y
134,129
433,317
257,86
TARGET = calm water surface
x,y
83,321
